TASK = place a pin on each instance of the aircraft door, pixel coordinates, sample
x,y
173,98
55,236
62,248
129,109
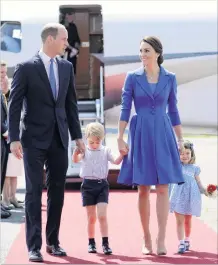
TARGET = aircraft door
x,y
82,76
86,20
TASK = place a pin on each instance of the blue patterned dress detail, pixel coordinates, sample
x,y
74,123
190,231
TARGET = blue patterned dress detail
x,y
186,198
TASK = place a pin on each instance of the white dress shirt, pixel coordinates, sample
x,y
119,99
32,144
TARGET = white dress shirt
x,y
47,62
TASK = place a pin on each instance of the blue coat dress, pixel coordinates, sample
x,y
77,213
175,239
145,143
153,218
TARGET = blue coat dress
x,y
153,156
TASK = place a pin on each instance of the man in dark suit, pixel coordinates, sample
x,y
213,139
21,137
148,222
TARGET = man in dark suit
x,y
4,151
44,86
4,133
73,39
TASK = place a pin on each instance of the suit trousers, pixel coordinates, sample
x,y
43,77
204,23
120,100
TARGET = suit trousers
x,y
73,60
55,158
4,160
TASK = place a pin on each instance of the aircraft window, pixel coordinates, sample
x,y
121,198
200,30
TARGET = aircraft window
x,y
95,23
11,36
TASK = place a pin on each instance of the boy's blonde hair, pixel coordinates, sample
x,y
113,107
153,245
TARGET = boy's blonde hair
x,y
95,129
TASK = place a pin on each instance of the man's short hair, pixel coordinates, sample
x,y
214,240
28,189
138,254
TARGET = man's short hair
x,y
50,29
70,12
3,63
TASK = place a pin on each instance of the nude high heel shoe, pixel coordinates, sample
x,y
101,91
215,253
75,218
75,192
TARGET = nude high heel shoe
x,y
16,204
161,251
147,248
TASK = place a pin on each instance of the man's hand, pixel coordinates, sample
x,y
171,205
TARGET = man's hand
x,y
73,52
16,149
80,145
5,135
77,151
5,85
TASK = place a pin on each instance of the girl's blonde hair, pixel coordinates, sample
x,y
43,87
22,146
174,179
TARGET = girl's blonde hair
x,y
95,129
190,146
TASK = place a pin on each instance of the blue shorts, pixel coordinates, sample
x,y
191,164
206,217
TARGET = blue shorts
x,y
94,191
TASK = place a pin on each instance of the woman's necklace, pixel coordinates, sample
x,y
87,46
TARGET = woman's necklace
x,y
153,76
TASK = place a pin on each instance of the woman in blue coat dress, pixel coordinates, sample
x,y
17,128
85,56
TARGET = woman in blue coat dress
x,y
152,151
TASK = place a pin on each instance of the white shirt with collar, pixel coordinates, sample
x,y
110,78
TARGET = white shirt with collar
x,y
95,163
47,62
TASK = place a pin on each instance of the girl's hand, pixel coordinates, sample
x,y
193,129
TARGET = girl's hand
x,y
122,146
206,193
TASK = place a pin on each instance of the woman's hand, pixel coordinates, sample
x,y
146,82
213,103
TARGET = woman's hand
x,y
122,146
181,145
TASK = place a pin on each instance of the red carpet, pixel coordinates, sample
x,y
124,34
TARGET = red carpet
x,y
125,236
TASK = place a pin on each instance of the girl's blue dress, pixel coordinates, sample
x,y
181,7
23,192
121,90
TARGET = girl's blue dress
x,y
186,198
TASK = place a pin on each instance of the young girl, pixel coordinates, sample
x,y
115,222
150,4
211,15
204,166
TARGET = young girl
x,y
95,187
185,199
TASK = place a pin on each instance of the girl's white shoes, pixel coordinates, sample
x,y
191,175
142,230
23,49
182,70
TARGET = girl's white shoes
x,y
183,247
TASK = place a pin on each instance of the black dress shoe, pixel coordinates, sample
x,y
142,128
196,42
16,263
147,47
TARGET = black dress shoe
x,y
5,208
5,214
35,256
92,248
106,249
56,250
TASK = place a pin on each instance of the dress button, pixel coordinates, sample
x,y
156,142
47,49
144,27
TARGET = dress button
x,y
153,107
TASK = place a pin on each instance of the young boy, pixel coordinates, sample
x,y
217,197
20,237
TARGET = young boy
x,y
95,187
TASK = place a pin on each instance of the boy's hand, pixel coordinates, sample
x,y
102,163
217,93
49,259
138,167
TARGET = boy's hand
x,y
77,155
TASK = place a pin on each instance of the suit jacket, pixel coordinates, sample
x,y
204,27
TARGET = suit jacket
x,y
4,126
31,89
73,36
